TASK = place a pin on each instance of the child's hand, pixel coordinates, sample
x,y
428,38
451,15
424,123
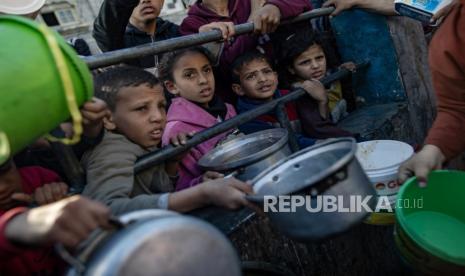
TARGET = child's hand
x,y
349,66
68,221
266,19
46,194
421,164
181,138
209,175
226,28
93,113
227,192
315,89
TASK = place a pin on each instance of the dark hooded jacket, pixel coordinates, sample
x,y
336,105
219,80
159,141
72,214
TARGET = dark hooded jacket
x,y
113,31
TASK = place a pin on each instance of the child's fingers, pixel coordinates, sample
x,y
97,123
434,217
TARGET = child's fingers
x,y
43,195
231,29
241,186
22,197
213,175
64,188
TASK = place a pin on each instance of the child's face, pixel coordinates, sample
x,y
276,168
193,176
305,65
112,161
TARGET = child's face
x,y
193,79
258,80
140,114
147,10
311,64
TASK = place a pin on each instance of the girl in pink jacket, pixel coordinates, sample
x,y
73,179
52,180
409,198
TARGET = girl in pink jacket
x,y
188,75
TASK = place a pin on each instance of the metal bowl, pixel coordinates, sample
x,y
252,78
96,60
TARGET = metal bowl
x,y
158,242
248,155
329,169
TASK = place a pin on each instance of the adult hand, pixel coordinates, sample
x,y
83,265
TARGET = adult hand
x,y
444,11
46,194
227,192
266,19
421,164
93,113
226,28
68,221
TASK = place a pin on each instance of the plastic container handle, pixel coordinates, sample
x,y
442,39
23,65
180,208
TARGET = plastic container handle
x,y
68,88
4,148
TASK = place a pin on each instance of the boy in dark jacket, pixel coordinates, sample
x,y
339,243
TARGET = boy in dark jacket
x,y
123,24
255,82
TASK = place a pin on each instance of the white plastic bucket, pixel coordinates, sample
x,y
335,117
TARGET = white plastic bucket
x,y
381,160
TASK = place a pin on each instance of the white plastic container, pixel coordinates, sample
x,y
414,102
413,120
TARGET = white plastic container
x,y
381,160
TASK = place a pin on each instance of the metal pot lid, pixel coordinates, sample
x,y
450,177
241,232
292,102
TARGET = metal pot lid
x,y
305,168
244,150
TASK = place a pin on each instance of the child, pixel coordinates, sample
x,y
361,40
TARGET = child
x,y
134,128
255,82
207,15
19,188
304,59
188,75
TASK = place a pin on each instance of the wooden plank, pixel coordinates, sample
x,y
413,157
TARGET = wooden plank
x,y
412,55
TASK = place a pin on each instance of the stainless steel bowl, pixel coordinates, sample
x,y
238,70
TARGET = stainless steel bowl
x,y
248,155
158,242
326,169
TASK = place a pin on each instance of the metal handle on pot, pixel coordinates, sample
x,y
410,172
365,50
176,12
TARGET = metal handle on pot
x,y
78,263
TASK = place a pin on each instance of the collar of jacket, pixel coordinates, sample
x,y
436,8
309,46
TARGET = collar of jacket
x,y
162,26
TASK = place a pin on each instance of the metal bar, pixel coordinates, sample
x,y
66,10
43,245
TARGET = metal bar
x,y
154,158
69,163
118,56
284,122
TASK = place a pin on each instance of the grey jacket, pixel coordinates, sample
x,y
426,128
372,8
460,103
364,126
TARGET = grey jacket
x,y
111,179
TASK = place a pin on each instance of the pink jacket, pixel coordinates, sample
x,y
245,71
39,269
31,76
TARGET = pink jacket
x,y
183,117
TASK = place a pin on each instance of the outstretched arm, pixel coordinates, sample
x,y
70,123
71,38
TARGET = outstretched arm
x,y
385,7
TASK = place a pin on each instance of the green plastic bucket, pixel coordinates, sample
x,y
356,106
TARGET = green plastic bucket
x,y
34,76
430,223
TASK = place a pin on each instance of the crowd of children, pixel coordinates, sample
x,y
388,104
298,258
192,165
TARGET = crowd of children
x,y
130,117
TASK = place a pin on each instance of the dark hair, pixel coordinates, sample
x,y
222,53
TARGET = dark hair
x,y
165,70
245,59
294,42
108,84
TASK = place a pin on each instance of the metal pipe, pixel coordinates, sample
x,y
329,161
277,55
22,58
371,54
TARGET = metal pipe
x,y
69,163
168,152
118,56
283,120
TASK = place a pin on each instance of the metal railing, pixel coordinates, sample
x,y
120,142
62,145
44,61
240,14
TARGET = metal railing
x,y
159,47
169,151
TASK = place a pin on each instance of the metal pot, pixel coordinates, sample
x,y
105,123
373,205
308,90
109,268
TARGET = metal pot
x,y
156,242
328,168
249,155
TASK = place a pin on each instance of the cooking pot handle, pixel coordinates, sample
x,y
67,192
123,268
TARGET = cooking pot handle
x,y
78,263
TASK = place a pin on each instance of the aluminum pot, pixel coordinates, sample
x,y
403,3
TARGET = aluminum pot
x,y
247,156
328,169
156,242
